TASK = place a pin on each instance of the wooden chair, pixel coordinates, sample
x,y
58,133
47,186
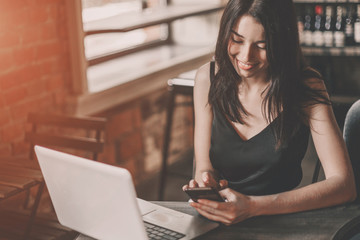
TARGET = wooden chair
x,y
18,175
60,131
77,135
352,140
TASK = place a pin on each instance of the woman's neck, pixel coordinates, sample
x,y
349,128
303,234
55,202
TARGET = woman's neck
x,y
253,86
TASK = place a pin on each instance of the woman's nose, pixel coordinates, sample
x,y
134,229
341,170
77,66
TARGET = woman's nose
x,y
245,53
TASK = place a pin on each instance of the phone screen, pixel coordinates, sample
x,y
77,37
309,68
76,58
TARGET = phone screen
x,y
204,193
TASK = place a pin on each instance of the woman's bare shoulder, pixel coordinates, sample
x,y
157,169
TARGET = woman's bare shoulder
x,y
203,75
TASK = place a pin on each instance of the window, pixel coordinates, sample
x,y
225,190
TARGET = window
x,y
103,45
123,49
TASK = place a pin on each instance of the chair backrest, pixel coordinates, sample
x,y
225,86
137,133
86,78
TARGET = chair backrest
x,y
84,134
352,140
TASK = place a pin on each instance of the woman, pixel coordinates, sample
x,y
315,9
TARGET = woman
x,y
254,109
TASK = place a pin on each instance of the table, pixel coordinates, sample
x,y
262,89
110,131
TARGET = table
x,y
339,222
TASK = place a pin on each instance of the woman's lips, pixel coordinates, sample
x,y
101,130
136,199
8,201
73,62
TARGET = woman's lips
x,y
245,66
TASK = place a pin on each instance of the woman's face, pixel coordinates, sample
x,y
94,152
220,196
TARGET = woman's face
x,y
247,48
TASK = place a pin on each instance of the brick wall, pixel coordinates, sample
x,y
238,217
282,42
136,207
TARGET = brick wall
x,y
35,76
34,66
135,133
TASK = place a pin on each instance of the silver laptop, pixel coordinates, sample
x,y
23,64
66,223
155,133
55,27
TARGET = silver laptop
x,y
99,201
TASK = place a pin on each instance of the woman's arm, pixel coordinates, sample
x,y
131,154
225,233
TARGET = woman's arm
x,y
203,121
338,186
205,175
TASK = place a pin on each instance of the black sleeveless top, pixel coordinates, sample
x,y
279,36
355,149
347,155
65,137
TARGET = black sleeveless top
x,y
254,166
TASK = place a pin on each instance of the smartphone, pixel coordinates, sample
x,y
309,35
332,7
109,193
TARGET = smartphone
x,y
204,193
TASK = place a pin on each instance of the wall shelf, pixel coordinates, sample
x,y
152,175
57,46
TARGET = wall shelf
x,y
326,1
331,51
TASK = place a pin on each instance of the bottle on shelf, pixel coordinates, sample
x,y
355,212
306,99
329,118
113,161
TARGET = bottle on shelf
x,y
308,25
319,25
339,34
357,25
144,4
300,21
349,26
329,26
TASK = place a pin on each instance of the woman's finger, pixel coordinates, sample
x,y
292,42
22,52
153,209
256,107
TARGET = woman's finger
x,y
228,195
212,215
185,187
223,184
209,203
193,184
212,207
209,180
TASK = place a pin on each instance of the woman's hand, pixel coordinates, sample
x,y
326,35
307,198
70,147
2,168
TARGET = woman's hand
x,y
236,208
207,180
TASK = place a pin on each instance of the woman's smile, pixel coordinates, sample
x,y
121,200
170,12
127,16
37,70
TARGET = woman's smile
x,y
246,66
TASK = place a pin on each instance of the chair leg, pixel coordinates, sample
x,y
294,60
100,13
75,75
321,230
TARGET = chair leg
x,y
166,143
34,210
27,199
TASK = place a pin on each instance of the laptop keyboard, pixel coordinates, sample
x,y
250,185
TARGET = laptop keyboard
x,y
160,233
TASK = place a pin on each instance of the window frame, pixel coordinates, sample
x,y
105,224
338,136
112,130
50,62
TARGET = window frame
x,y
76,47
132,49
91,103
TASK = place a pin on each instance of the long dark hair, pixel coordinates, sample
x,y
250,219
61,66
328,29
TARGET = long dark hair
x,y
287,94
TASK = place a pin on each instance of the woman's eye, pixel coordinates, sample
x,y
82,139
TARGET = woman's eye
x,y
261,45
236,40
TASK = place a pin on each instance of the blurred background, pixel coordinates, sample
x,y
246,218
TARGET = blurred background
x,y
113,59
